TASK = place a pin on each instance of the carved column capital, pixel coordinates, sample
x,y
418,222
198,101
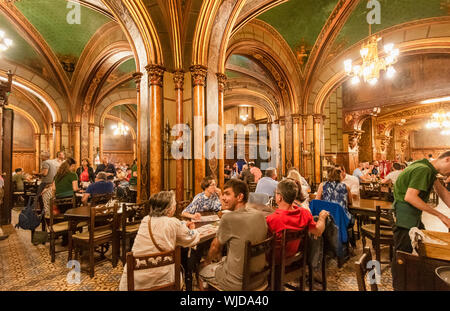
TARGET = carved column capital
x,y
101,129
199,73
221,80
137,76
319,118
178,79
57,125
91,127
155,74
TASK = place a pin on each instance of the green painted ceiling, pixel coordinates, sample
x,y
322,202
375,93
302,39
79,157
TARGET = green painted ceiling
x,y
298,20
233,74
127,67
49,17
393,12
20,52
246,63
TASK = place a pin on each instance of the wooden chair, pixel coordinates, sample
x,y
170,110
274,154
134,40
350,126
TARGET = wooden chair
x,y
266,247
295,262
98,235
56,225
103,198
130,220
181,206
380,234
251,187
136,263
362,270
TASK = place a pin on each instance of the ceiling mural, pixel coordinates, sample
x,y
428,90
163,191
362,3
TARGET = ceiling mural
x,y
300,23
392,13
51,19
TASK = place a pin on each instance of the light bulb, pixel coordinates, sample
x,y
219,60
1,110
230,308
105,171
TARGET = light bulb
x,y
390,72
389,47
355,80
373,81
356,69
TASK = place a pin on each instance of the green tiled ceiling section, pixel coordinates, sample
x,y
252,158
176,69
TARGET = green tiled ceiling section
x,y
393,12
297,19
49,17
127,67
233,74
20,52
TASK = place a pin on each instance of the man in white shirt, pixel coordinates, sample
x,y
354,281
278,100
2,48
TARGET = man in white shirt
x,y
392,176
360,172
268,184
352,182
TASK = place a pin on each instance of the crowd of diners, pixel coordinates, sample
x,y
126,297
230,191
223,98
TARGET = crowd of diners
x,y
220,266
61,178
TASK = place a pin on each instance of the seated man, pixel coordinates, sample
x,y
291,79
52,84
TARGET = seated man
x,y
269,183
18,179
292,217
240,225
101,186
392,176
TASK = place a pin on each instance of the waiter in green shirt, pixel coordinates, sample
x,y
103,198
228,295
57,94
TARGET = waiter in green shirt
x,y
411,192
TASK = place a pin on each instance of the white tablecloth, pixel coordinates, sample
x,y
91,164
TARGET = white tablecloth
x,y
433,223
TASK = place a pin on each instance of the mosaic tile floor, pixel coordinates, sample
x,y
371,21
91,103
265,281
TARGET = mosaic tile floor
x,y
25,267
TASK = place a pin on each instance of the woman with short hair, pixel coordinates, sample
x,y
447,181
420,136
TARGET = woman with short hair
x,y
206,201
159,232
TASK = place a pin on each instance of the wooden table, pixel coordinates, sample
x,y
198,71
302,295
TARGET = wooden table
x,y
368,207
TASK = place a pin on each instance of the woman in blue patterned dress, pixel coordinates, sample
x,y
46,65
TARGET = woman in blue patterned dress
x,y
335,191
206,201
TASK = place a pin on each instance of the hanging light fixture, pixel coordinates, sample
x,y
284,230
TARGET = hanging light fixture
x,y
440,120
372,63
120,129
5,43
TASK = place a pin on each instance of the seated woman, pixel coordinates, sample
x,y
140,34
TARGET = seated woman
x,y
303,186
85,173
206,201
335,191
167,232
66,181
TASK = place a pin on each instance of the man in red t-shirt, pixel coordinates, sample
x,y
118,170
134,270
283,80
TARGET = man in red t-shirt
x,y
289,216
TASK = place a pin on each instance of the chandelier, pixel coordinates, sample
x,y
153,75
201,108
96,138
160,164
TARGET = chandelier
x,y
5,43
440,120
120,129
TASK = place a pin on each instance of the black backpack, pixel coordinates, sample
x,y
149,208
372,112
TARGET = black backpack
x,y
28,218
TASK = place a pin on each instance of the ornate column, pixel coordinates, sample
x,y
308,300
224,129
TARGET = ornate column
x,y
76,128
100,141
282,124
351,139
318,126
221,79
305,145
50,145
198,99
155,80
178,79
91,153
37,147
142,142
57,136
296,131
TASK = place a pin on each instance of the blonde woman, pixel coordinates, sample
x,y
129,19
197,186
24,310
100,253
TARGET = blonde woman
x,y
305,189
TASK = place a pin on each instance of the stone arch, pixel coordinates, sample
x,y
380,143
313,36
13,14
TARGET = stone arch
x,y
115,99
